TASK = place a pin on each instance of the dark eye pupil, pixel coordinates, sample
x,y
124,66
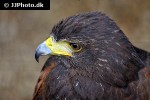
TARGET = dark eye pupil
x,y
74,46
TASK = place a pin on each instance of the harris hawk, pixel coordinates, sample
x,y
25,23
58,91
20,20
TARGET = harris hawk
x,y
90,58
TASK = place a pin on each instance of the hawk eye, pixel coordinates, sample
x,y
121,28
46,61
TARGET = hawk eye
x,y
76,47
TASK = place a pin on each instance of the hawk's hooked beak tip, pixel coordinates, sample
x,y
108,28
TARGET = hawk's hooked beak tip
x,y
41,50
37,57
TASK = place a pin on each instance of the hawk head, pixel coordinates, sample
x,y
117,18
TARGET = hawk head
x,y
92,48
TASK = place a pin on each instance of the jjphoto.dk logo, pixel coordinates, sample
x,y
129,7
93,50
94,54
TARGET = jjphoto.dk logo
x,y
25,5
39,4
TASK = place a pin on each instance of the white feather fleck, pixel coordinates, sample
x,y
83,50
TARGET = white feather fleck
x,y
112,37
96,48
100,84
57,97
77,83
106,41
117,43
102,51
107,68
100,65
115,31
104,60
58,77
116,60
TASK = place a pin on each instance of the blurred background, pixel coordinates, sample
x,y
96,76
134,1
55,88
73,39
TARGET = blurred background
x,y
22,31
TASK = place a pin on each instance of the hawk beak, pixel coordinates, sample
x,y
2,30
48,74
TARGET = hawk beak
x,y
51,47
42,49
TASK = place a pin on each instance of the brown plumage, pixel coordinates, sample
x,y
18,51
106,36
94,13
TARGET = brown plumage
x,y
41,81
108,67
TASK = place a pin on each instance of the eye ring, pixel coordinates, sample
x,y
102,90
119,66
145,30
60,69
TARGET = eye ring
x,y
75,46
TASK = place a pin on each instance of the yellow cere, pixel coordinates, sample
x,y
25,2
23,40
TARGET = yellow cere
x,y
58,48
